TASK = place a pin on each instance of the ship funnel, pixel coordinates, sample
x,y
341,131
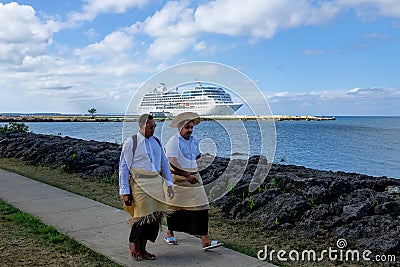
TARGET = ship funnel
x,y
161,87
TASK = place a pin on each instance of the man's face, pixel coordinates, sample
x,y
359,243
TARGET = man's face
x,y
187,130
148,128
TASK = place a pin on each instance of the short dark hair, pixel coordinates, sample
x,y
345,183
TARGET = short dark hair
x,y
143,118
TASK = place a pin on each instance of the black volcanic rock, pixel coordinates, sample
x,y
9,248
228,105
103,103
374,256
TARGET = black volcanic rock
x,y
362,209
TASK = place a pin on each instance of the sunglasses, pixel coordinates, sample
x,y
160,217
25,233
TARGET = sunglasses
x,y
188,127
151,127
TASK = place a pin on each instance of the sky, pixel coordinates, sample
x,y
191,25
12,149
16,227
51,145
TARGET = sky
x,y
307,57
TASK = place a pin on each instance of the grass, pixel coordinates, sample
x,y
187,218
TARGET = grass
x,y
26,241
246,236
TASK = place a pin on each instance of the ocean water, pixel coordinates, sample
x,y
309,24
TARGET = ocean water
x,y
366,145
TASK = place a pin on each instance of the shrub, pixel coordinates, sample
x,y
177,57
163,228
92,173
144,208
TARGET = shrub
x,y
14,127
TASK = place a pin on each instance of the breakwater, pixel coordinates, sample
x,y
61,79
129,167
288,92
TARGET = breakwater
x,y
311,203
118,118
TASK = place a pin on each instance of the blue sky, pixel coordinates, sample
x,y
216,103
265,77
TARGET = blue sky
x,y
308,57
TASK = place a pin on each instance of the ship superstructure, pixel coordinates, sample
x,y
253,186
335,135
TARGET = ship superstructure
x,y
203,99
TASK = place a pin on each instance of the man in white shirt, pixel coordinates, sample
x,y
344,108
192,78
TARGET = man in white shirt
x,y
189,208
143,168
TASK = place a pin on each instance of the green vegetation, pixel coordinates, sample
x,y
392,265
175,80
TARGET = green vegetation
x,y
274,183
313,203
262,189
92,111
73,156
14,127
112,179
56,248
251,203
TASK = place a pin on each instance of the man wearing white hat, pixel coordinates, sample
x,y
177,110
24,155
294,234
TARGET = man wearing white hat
x,y
188,210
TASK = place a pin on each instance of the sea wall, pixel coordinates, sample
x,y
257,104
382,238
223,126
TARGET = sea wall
x,y
362,209
105,118
88,158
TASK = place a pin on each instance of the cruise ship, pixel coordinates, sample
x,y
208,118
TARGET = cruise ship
x,y
204,99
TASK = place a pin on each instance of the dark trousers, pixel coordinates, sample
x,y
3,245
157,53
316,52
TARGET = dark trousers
x,y
144,232
188,221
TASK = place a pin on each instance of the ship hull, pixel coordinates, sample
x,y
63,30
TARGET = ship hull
x,y
223,109
227,109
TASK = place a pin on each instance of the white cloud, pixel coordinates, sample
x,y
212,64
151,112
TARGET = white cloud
x,y
22,33
91,33
29,58
94,7
178,26
200,46
375,35
116,6
174,19
372,8
261,19
164,48
355,94
173,29
114,45
356,101
313,52
373,93
280,94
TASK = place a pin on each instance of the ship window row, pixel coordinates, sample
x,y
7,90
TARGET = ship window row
x,y
182,101
224,100
186,97
181,107
166,99
188,93
174,105
195,101
203,94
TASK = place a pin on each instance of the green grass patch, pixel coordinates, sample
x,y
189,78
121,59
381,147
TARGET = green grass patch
x,y
29,226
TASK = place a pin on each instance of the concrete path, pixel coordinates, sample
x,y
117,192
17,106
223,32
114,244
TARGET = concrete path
x,y
104,229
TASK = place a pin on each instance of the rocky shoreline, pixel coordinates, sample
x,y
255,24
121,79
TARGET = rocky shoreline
x,y
120,118
362,209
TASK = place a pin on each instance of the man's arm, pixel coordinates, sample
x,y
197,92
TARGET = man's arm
x,y
166,173
180,171
123,175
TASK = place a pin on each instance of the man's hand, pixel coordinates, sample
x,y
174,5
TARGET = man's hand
x,y
128,200
170,191
192,179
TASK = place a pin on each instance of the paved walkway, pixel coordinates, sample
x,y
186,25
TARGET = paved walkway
x,y
104,229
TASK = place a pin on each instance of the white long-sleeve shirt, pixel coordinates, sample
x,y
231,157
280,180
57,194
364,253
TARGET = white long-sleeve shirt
x,y
186,151
149,156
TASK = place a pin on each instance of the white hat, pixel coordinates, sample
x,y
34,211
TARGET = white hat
x,y
185,116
